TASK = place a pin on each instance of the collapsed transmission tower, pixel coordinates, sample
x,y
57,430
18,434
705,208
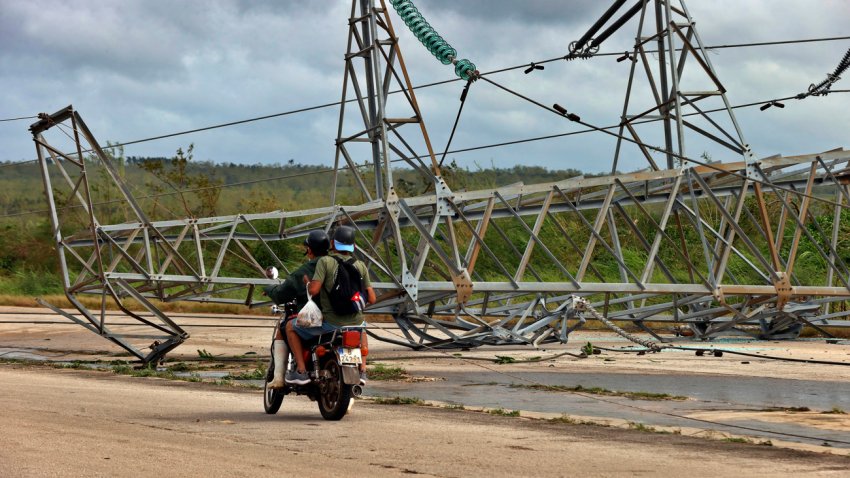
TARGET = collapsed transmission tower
x,y
721,248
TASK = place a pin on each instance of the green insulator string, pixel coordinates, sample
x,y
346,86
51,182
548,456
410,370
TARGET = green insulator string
x,y
464,69
432,40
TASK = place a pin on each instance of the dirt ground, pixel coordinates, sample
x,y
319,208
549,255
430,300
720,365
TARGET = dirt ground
x,y
116,425
82,423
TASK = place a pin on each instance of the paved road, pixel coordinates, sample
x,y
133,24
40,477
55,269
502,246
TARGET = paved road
x,y
79,423
742,402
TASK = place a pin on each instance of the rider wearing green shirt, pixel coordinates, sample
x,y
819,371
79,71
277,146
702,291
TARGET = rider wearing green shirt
x,y
324,273
292,288
321,284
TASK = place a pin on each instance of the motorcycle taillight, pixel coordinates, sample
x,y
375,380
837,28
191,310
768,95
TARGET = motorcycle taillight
x,y
351,339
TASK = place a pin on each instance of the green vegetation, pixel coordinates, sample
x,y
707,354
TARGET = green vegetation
x,y
564,418
76,364
603,391
184,186
747,440
502,412
383,372
179,367
568,420
398,400
259,373
836,411
645,428
789,409
503,359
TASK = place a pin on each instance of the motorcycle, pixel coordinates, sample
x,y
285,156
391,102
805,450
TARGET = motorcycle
x,y
333,365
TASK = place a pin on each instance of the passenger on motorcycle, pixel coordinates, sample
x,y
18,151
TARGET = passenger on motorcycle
x,y
321,284
292,288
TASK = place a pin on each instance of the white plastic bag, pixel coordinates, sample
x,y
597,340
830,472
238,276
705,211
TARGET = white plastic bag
x,y
310,315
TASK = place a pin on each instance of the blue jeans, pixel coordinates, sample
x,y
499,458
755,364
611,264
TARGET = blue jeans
x,y
307,333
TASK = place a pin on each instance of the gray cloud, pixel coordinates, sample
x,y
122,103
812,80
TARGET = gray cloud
x,y
529,12
142,68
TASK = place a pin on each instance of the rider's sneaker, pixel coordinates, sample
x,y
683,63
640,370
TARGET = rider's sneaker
x,y
363,378
297,378
276,383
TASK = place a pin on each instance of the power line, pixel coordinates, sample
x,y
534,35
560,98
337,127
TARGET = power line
x,y
659,149
18,119
544,386
301,110
427,85
590,129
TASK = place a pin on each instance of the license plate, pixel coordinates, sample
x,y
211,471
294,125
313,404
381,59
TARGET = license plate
x,y
350,355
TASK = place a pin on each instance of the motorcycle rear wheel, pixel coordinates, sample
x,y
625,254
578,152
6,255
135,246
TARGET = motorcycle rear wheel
x,y
335,395
272,398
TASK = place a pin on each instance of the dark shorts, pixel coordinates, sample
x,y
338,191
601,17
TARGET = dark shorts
x,y
307,333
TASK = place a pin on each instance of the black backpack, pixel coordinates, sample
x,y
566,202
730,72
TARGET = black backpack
x,y
346,294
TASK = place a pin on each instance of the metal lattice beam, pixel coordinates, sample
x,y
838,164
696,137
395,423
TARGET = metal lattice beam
x,y
722,248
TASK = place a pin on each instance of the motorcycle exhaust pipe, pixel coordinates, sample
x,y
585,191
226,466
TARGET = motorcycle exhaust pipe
x,y
356,390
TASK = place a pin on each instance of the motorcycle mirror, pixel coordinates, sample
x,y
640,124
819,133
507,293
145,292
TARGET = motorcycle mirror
x,y
271,272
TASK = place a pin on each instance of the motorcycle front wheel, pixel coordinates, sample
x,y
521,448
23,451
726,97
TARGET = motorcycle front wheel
x,y
272,398
335,395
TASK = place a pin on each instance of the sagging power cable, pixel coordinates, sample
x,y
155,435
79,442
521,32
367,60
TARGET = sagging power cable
x,y
456,151
539,64
681,157
18,119
620,403
714,350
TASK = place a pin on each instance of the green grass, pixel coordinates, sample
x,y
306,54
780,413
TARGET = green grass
x,y
568,420
76,364
645,428
383,372
28,282
604,391
123,368
503,359
747,440
503,413
259,373
564,418
398,400
180,367
152,372
787,409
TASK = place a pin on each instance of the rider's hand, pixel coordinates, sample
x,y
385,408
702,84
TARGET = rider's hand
x,y
306,279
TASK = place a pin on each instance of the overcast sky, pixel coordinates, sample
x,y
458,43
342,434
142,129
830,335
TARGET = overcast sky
x,y
137,69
